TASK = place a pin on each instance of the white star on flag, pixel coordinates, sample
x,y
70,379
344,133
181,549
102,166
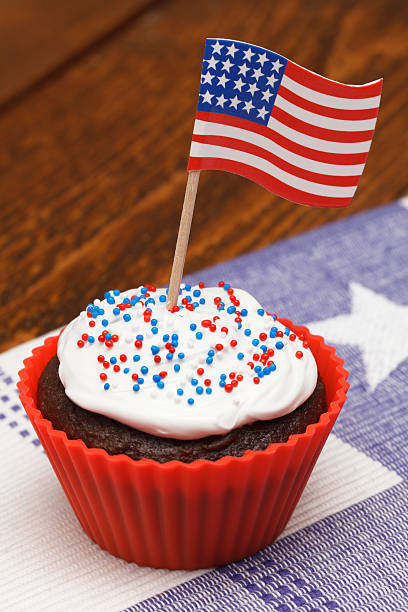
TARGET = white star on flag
x,y
207,97
248,55
221,100
266,95
248,106
207,78
378,326
234,102
217,47
227,65
257,73
232,49
262,112
261,59
212,62
239,84
253,88
222,80
243,69
276,65
271,80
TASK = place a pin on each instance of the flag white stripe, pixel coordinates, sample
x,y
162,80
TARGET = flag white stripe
x,y
218,129
326,100
357,125
317,143
199,149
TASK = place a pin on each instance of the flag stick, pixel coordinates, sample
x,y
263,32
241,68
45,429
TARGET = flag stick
x,y
182,238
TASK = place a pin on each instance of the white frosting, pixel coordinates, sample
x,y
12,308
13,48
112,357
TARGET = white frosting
x,y
161,411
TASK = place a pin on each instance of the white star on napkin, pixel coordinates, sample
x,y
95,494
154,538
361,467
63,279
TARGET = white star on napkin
x,y
378,326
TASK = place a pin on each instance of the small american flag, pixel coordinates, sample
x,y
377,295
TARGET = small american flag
x,y
296,133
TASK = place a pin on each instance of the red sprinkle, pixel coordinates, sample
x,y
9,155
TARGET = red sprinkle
x,y
233,343
230,291
89,313
157,359
121,307
256,380
92,323
299,354
224,329
106,364
116,367
190,307
200,371
255,357
207,382
80,343
122,357
115,338
104,332
292,337
219,347
263,336
251,365
306,344
103,376
213,327
163,374
85,337
109,343
135,376
206,323
228,388
239,377
101,338
217,300
201,285
221,284
232,375
279,334
101,358
138,344
234,383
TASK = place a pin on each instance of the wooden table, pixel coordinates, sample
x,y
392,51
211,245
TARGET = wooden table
x,y
97,101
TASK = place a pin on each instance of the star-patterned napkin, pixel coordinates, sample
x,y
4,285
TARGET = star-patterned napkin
x,y
346,545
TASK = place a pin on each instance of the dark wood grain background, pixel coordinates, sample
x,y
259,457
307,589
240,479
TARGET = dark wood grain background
x,y
97,101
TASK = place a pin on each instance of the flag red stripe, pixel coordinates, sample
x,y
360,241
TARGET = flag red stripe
x,y
267,181
333,113
328,158
332,88
240,145
319,132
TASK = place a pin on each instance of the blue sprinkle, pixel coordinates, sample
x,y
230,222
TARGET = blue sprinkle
x,y
94,314
211,353
272,333
169,356
209,360
154,330
221,306
174,336
244,312
143,290
91,339
156,378
188,298
126,301
261,312
149,310
264,348
116,311
150,301
274,317
199,390
110,300
113,360
239,325
187,287
261,374
180,391
166,338
202,301
100,310
175,343
140,381
231,309
223,376
135,300
160,384
222,383
226,286
126,371
255,341
199,335
106,294
90,307
177,367
108,336
162,298
195,304
154,349
139,337
208,390
257,369
105,322
136,357
273,367
194,381
287,331
153,322
181,355
193,326
240,355
116,292
196,293
279,345
267,370
247,332
136,387
106,386
144,369
190,400
126,317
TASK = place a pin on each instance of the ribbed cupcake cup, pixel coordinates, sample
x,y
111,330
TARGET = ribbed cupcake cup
x,y
185,515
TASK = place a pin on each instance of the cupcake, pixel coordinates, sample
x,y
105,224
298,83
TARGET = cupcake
x,y
182,438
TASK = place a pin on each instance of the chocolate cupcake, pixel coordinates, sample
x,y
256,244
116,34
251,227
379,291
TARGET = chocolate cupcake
x,y
183,438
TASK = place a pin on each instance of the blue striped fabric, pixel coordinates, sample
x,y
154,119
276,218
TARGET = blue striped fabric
x,y
356,559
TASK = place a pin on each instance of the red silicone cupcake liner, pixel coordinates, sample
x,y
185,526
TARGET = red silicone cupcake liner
x,y
185,515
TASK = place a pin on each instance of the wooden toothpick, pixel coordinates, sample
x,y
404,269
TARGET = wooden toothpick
x,y
182,238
